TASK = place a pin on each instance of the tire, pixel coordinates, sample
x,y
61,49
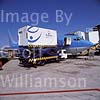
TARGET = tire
x,y
41,63
57,60
35,66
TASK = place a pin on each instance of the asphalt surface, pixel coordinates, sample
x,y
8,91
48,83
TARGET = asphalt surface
x,y
70,74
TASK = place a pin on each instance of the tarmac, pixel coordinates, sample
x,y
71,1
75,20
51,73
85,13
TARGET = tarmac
x,y
71,74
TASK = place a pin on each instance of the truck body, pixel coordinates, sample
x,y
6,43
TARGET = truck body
x,y
37,55
37,46
36,36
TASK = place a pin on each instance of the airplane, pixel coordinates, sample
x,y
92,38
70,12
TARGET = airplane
x,y
75,45
13,44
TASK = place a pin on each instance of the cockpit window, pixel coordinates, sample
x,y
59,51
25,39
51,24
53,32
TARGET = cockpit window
x,y
78,39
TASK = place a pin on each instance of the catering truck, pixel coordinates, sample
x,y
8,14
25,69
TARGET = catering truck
x,y
92,35
37,46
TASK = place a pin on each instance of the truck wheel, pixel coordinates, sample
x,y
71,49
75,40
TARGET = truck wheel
x,y
57,60
42,63
35,66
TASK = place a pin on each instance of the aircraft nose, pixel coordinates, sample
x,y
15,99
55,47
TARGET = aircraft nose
x,y
86,43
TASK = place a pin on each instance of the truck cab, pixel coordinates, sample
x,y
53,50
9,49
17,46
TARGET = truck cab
x,y
62,54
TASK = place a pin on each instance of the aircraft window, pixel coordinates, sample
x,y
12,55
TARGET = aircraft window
x,y
77,39
82,38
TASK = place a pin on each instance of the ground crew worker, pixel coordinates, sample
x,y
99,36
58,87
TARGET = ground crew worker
x,y
91,53
1,64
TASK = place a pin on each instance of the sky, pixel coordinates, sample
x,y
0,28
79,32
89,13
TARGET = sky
x,y
65,16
